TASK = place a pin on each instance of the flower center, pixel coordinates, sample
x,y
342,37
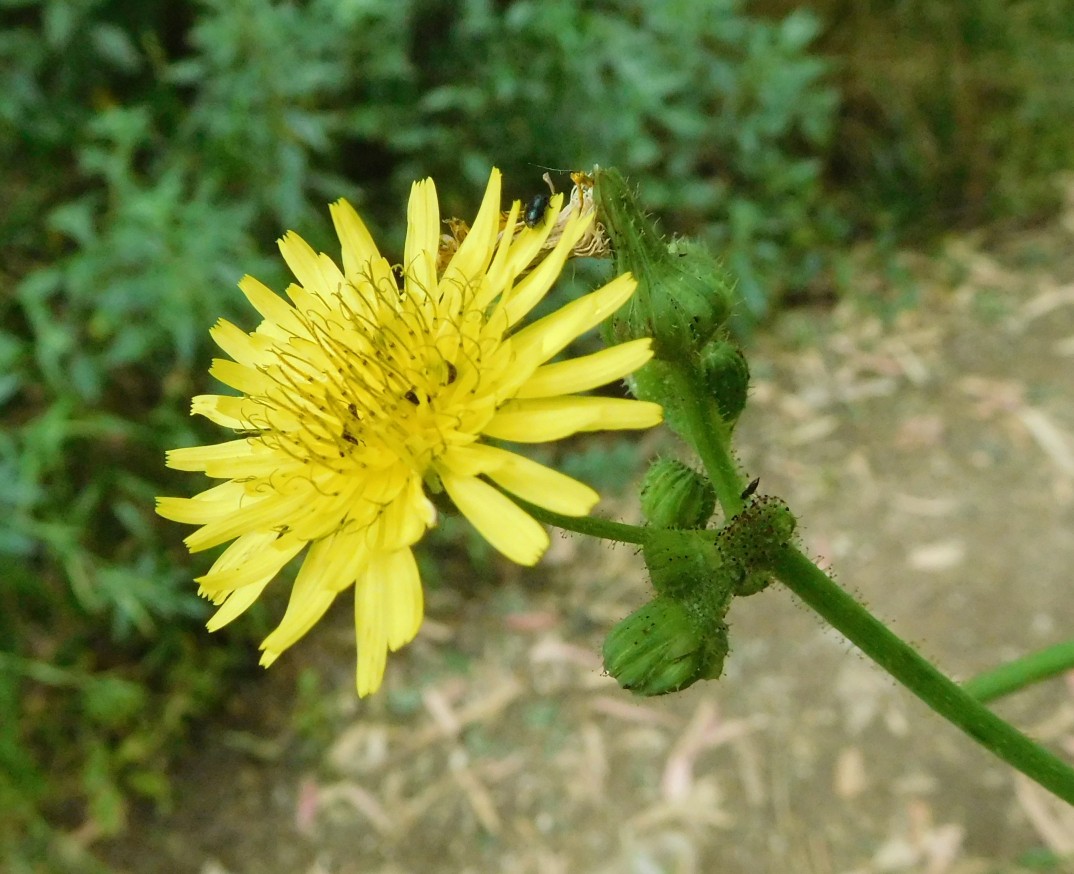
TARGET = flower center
x,y
385,376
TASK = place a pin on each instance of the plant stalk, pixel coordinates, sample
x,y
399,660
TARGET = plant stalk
x,y
1022,672
900,660
710,438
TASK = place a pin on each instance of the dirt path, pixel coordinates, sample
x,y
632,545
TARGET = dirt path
x,y
931,461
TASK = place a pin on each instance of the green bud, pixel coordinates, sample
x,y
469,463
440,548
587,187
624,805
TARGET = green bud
x,y
727,377
685,564
674,495
683,295
688,567
661,648
750,543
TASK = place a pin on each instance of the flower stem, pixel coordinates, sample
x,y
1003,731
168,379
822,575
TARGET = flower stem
x,y
605,529
944,696
1022,672
710,438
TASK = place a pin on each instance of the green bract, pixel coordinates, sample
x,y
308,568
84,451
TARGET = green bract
x,y
661,648
674,495
727,377
753,541
683,295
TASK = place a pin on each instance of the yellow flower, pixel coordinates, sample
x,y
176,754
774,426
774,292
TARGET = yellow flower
x,y
373,385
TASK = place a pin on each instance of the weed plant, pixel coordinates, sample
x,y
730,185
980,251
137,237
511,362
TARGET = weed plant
x,y
151,151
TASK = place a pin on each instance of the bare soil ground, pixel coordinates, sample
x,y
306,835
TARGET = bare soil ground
x,y
930,458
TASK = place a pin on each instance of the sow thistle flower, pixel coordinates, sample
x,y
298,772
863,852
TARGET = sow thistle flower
x,y
373,386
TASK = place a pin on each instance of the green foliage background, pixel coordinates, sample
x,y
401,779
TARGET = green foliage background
x,y
152,151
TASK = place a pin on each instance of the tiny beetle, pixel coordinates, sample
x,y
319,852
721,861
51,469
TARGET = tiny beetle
x,y
535,210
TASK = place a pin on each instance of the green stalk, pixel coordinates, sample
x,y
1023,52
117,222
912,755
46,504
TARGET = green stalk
x,y
1022,672
944,696
956,704
710,438
591,526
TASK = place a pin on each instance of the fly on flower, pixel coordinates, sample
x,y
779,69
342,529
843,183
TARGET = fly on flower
x,y
367,389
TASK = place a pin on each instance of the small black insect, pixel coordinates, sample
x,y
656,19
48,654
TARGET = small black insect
x,y
750,489
535,210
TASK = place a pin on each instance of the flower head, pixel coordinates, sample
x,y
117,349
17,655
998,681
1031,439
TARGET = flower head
x,y
371,386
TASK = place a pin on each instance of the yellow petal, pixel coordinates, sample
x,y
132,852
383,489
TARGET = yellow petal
x,y
219,500
471,460
422,238
588,371
323,511
191,511
497,278
542,419
236,604
524,247
355,240
397,575
405,519
239,376
271,511
221,409
498,519
538,484
254,558
317,274
263,299
475,251
371,633
548,336
197,457
529,292
243,413
248,349
619,414
351,556
235,458
310,598
308,301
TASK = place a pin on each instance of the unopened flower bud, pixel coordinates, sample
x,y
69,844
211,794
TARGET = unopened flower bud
x,y
727,377
683,295
674,495
750,544
686,565
662,648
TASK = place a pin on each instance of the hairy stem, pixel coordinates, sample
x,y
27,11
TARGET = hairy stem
x,y
604,529
943,695
710,437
